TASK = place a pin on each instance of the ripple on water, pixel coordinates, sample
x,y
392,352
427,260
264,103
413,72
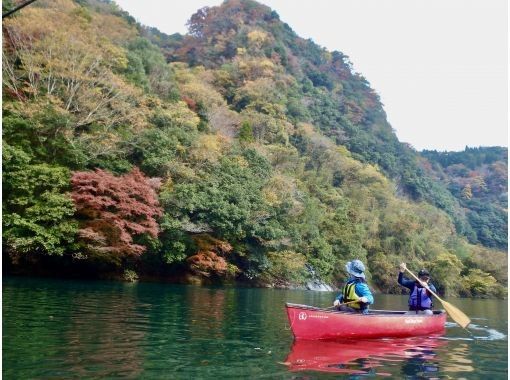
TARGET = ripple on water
x,y
490,333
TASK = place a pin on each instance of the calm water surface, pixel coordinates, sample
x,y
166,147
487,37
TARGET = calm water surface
x,y
57,329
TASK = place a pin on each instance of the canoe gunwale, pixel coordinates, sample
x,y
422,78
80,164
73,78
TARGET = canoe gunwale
x,y
373,313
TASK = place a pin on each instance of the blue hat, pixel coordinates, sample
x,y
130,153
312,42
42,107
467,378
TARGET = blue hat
x,y
355,268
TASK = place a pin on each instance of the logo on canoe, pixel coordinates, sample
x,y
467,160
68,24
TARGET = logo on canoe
x,y
302,316
413,321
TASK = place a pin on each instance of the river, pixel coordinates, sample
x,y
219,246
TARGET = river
x,y
63,329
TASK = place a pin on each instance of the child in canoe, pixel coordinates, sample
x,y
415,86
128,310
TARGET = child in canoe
x,y
355,291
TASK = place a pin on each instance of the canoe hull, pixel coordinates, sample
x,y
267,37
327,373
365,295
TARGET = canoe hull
x,y
313,323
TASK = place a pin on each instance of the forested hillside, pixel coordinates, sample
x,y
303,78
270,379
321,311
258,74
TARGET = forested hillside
x,y
478,178
237,152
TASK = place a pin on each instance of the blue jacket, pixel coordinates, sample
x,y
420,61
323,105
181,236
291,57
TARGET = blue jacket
x,y
361,289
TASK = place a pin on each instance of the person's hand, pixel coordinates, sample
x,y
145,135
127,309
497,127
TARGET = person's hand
x,y
336,303
403,267
363,299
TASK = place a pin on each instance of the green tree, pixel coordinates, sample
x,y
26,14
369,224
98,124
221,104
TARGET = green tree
x,y
37,207
481,284
227,198
445,271
246,133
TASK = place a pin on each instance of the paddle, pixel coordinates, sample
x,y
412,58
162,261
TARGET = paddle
x,y
458,316
345,303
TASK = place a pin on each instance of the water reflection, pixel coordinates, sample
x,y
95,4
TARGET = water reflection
x,y
207,313
114,349
459,359
414,356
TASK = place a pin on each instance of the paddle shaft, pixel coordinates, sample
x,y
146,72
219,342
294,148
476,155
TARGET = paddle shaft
x,y
348,303
342,304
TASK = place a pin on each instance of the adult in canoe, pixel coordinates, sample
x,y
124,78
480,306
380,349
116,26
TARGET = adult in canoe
x,y
420,301
355,292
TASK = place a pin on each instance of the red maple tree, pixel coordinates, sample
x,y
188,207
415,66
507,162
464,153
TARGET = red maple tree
x,y
114,209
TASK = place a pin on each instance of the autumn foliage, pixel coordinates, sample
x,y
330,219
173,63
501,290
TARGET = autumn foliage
x,y
115,209
210,256
276,161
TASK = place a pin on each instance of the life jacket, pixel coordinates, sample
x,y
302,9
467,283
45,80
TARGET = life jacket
x,y
349,294
419,299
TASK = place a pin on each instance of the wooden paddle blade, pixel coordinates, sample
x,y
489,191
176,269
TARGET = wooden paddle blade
x,y
457,315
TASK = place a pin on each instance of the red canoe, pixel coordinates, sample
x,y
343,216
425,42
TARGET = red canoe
x,y
307,322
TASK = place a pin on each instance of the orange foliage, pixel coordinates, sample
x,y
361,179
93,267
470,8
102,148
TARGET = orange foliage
x,y
207,262
209,258
190,102
206,242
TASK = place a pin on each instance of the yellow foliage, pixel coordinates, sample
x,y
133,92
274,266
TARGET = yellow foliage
x,y
285,267
466,192
180,114
114,28
491,261
253,68
257,38
262,94
202,94
208,148
305,129
182,72
369,175
64,54
196,84
182,171
267,128
266,64
222,78
342,150
168,185
241,161
279,188
282,157
117,56
270,197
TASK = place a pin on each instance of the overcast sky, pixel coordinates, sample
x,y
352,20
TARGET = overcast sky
x,y
439,66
